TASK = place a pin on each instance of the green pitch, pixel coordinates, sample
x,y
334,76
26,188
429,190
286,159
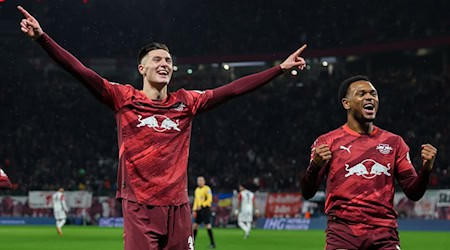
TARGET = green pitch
x,y
87,238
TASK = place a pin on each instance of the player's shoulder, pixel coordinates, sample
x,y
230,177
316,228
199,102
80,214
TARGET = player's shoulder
x,y
386,135
330,136
189,94
121,86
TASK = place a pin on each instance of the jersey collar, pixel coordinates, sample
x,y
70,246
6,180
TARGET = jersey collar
x,y
352,132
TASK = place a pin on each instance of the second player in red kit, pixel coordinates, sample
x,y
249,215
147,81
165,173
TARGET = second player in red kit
x,y
360,163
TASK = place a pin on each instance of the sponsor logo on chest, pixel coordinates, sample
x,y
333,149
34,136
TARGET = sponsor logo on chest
x,y
362,169
159,123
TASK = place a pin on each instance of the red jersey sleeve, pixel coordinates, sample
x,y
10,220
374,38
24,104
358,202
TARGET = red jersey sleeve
x,y
314,174
414,185
198,100
109,93
403,161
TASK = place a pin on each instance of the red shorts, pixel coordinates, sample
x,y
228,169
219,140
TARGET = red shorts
x,y
157,227
344,235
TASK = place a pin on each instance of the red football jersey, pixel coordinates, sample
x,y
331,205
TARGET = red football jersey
x,y
360,176
153,135
153,139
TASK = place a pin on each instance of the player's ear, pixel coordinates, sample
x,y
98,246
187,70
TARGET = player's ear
x,y
345,103
141,69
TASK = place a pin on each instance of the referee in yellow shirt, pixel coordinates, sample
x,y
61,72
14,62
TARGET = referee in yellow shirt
x,y
202,208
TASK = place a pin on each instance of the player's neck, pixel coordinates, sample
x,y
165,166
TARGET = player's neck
x,y
360,127
155,92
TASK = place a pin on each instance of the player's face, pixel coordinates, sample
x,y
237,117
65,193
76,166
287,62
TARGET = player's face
x,y
200,181
362,101
157,67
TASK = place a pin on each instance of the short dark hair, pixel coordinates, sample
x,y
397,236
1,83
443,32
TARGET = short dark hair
x,y
343,89
149,47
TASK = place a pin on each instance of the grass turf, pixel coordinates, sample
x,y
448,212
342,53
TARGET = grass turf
x,y
87,238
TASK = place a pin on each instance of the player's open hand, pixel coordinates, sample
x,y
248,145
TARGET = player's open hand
x,y
294,60
29,25
322,154
428,154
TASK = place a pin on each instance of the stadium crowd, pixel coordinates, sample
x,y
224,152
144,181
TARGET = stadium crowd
x,y
54,133
221,28
58,134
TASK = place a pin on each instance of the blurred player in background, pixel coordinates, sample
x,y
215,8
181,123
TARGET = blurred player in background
x,y
201,209
5,183
360,163
59,209
244,210
153,129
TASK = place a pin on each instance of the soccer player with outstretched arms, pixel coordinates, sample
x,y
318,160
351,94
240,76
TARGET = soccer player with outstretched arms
x,y
153,129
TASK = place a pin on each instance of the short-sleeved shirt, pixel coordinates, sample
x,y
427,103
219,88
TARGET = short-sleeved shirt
x,y
360,176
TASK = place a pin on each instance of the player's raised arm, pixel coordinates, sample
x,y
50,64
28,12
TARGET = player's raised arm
x,y
428,154
414,185
294,60
315,172
31,27
251,82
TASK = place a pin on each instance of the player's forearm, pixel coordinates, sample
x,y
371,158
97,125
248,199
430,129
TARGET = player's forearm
x,y
415,186
311,181
244,85
71,64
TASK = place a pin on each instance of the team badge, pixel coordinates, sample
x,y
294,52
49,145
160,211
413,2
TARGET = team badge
x,y
180,107
384,148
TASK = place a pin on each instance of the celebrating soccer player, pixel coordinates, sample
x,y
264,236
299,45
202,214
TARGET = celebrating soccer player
x,y
154,129
202,208
360,162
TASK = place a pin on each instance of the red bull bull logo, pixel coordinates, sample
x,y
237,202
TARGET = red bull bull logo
x,y
361,169
159,123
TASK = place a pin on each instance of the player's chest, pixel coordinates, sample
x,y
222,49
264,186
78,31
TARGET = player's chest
x,y
138,117
365,157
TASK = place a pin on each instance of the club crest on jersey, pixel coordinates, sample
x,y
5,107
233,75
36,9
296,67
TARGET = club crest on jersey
x,y
361,169
159,123
384,148
180,107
